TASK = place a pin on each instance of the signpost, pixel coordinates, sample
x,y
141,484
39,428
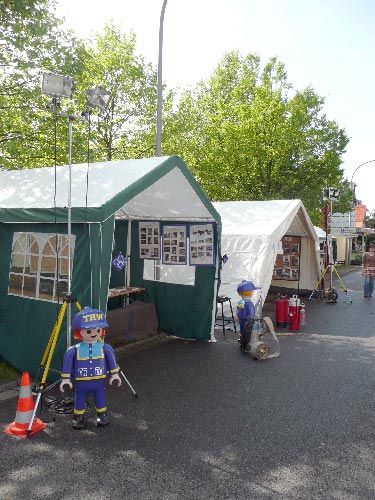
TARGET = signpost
x,y
346,232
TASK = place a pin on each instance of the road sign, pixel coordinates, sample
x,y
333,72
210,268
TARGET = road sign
x,y
339,221
347,232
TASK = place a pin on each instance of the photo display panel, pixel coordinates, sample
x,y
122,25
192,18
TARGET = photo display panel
x,y
287,265
201,245
149,240
174,245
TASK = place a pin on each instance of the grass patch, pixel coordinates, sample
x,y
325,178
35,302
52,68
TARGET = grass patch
x,y
7,372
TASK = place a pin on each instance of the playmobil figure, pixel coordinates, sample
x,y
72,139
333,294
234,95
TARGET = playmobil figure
x,y
245,307
88,363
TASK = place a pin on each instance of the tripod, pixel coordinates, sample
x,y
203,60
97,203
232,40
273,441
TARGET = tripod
x,y
330,294
48,355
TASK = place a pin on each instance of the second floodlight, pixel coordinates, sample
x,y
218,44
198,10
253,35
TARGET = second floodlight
x,y
57,85
331,194
98,98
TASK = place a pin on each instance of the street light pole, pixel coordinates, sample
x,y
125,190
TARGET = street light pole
x,y
350,211
160,82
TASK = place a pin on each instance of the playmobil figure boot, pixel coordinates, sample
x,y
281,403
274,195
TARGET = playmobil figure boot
x,y
78,422
102,419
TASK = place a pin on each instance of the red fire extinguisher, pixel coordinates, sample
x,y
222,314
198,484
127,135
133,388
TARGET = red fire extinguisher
x,y
282,311
294,313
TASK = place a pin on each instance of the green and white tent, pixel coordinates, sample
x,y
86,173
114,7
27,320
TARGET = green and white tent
x,y
109,204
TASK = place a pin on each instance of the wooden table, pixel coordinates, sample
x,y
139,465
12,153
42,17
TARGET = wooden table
x,y
124,292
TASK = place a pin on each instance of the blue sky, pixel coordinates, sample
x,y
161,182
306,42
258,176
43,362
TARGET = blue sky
x,y
328,44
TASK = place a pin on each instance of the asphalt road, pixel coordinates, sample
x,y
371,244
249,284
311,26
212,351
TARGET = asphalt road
x,y
211,423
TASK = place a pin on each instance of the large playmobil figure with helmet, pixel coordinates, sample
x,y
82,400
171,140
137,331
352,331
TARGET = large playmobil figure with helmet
x,y
245,307
88,363
245,311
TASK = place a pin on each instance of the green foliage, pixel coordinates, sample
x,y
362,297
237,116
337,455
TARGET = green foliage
x,y
7,372
245,133
33,42
247,138
30,135
123,130
370,219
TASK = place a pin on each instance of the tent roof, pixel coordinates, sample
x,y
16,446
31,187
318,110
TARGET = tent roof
x,y
252,218
149,188
321,233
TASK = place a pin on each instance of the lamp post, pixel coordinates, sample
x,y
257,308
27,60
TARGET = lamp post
x,y
350,212
160,82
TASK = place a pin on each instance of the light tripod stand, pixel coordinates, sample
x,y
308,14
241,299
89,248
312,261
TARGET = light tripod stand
x,y
330,295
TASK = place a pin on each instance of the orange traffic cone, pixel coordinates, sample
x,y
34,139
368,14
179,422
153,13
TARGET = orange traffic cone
x,y
25,410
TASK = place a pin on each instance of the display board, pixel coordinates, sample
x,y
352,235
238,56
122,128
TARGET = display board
x,y
287,265
201,245
149,240
177,244
174,244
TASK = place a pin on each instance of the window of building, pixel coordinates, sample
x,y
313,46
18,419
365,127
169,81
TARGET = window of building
x,y
39,265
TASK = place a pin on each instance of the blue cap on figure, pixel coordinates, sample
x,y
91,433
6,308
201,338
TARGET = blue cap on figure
x,y
246,288
89,318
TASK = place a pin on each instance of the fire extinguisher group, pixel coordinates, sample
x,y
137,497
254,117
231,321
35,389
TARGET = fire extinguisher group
x,y
290,311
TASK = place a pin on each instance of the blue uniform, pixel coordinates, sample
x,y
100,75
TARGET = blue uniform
x,y
245,310
88,365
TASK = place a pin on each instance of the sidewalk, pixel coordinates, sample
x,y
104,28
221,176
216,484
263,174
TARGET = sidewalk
x,y
9,388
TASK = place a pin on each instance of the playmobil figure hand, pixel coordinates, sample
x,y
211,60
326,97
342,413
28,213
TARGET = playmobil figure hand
x,y
115,376
66,381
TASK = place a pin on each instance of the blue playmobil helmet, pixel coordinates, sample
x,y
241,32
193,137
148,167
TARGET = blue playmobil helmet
x,y
88,319
246,288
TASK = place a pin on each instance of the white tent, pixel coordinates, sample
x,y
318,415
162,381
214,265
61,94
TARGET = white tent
x,y
251,235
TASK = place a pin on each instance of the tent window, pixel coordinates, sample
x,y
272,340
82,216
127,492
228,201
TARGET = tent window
x,y
39,265
154,270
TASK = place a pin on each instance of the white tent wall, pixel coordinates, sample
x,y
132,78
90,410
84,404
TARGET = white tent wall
x,y
250,234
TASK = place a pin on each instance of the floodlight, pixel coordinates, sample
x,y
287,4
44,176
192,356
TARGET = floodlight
x,y
331,194
98,98
57,85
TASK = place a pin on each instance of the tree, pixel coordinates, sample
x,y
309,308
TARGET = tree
x,y
127,128
370,219
32,42
245,137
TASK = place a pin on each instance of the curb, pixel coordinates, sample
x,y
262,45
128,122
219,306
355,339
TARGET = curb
x,y
160,338
9,385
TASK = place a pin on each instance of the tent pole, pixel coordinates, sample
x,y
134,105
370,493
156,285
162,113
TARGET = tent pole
x,y
128,247
216,286
68,326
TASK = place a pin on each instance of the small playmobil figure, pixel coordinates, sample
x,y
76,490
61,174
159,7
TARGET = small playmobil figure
x,y
87,363
245,308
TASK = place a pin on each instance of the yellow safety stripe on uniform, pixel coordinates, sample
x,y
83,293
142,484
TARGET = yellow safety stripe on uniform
x,y
91,378
92,357
78,412
101,410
